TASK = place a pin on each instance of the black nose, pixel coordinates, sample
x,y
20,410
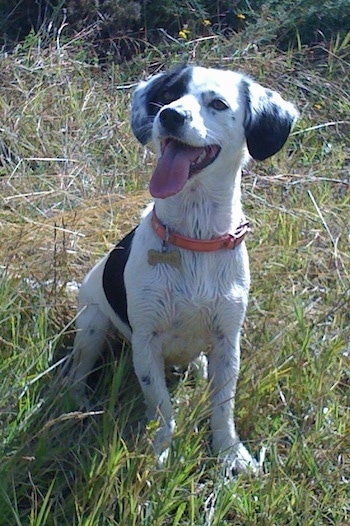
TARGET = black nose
x,y
172,119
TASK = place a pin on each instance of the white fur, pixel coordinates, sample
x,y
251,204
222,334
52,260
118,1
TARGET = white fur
x,y
176,315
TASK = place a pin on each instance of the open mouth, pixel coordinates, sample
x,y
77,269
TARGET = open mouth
x,y
199,156
177,163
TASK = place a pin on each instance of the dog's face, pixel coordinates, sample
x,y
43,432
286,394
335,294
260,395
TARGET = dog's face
x,y
203,120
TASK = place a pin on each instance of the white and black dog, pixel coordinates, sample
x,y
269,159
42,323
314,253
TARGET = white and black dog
x,y
177,285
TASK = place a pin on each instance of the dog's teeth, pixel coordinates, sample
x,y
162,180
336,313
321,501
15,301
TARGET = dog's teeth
x,y
201,157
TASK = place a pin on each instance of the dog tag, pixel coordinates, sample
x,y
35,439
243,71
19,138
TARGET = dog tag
x,y
168,257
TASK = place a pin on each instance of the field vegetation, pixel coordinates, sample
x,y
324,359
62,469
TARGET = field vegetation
x,y
73,180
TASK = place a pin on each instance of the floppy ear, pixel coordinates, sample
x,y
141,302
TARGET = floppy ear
x,y
141,117
269,120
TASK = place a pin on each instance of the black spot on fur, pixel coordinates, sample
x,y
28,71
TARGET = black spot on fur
x,y
113,277
146,379
153,95
220,335
167,88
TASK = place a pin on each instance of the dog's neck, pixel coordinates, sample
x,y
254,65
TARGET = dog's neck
x,y
209,207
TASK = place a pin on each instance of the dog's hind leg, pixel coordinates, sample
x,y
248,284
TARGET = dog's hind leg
x,y
92,329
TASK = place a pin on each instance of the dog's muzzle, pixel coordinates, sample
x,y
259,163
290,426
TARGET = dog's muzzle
x,y
178,161
172,119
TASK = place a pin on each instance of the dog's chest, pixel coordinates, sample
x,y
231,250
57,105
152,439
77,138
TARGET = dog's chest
x,y
186,311
191,322
187,333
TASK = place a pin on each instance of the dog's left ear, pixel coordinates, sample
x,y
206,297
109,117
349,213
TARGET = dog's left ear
x,y
269,120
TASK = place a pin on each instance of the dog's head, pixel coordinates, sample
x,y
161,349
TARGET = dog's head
x,y
205,119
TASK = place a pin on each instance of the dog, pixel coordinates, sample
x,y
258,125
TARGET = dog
x,y
177,285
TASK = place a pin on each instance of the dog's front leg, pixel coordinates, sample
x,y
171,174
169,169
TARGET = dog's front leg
x,y
223,374
149,368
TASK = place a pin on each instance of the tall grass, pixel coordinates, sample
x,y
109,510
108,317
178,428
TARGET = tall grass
x,y
73,180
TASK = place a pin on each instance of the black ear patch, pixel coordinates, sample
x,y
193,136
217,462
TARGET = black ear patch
x,y
150,96
269,120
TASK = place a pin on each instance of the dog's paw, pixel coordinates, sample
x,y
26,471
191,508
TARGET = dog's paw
x,y
199,367
241,461
76,396
162,458
161,441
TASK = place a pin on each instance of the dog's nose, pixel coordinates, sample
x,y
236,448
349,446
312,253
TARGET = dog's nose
x,y
172,119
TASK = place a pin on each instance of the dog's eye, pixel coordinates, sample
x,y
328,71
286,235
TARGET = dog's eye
x,y
167,96
219,104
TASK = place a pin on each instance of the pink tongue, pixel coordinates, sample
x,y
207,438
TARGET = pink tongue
x,y
173,169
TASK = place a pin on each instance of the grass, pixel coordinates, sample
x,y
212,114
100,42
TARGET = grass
x,y
73,180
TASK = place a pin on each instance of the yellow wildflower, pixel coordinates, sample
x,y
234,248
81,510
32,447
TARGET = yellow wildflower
x,y
241,16
184,33
318,106
206,22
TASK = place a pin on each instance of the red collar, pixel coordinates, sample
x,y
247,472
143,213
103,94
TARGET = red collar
x,y
227,241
